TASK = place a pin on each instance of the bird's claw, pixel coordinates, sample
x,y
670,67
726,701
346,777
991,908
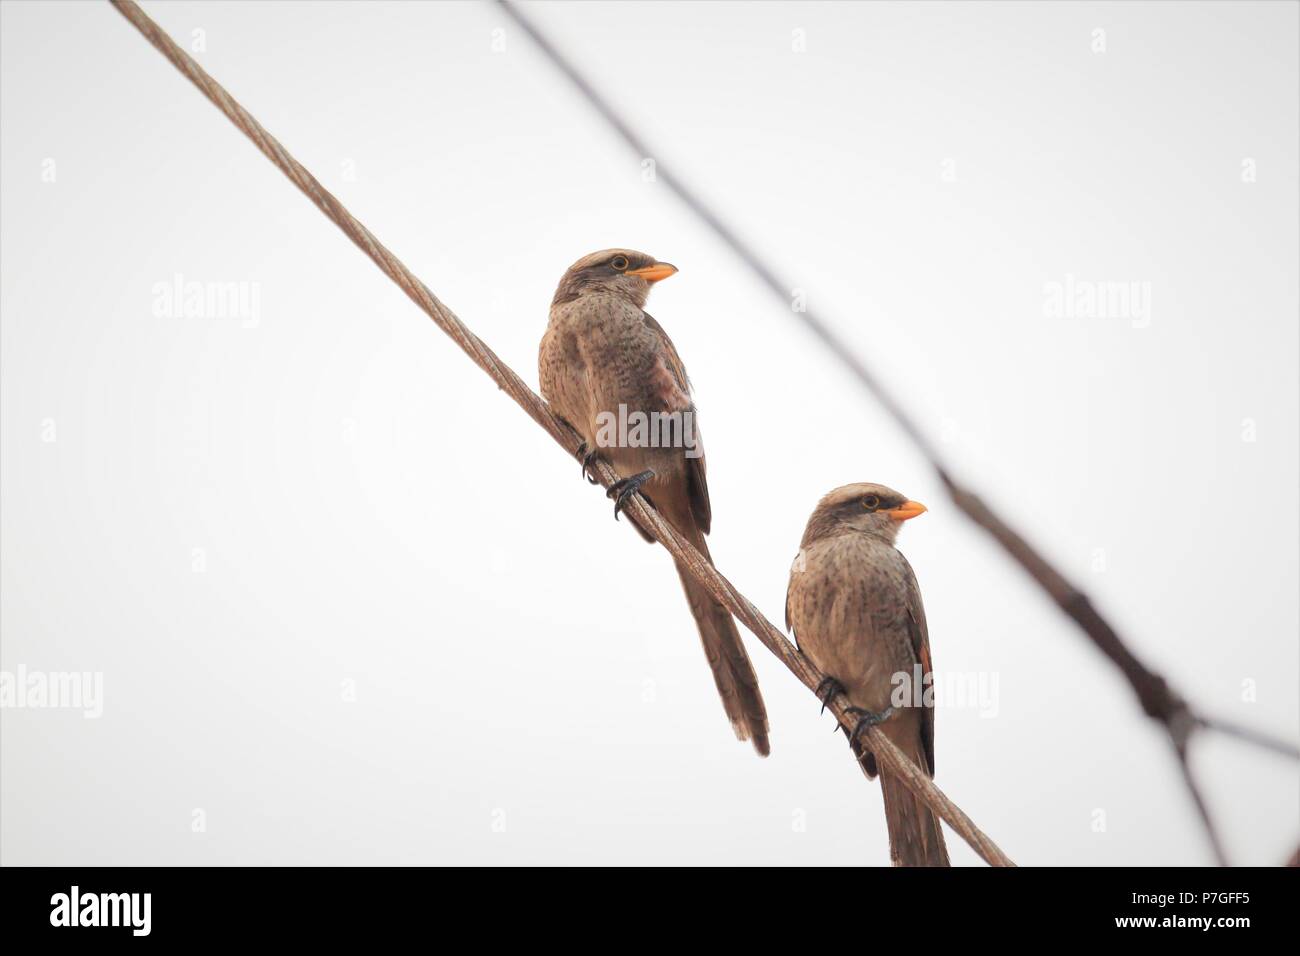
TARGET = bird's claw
x,y
866,718
827,689
587,456
624,488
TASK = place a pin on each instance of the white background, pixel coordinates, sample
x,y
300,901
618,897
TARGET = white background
x,y
529,687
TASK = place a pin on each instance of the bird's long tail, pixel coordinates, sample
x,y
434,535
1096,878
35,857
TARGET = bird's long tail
x,y
732,671
915,838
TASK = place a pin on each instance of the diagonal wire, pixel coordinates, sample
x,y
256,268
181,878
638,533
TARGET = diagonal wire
x,y
506,378
1157,698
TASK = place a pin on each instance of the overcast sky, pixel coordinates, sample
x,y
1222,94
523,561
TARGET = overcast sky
x,y
349,605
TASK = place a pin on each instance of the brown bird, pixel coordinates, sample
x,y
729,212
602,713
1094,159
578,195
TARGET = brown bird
x,y
855,609
604,360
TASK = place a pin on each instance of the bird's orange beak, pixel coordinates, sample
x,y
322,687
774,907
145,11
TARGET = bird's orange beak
x,y
654,273
908,509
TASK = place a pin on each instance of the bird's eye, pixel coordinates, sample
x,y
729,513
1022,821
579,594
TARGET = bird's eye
x,y
871,502
619,263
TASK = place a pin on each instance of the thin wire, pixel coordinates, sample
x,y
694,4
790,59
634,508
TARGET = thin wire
x,y
1250,736
700,567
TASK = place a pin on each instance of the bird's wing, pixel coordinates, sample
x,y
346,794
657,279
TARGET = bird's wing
x,y
920,634
671,358
797,567
787,615
695,466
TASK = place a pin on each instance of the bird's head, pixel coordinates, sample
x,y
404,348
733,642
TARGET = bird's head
x,y
622,272
873,509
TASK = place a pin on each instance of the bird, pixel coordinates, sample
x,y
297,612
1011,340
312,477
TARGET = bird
x,y
854,607
604,360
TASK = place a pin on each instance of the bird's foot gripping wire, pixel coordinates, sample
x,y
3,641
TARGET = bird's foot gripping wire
x,y
827,689
587,456
866,718
624,488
